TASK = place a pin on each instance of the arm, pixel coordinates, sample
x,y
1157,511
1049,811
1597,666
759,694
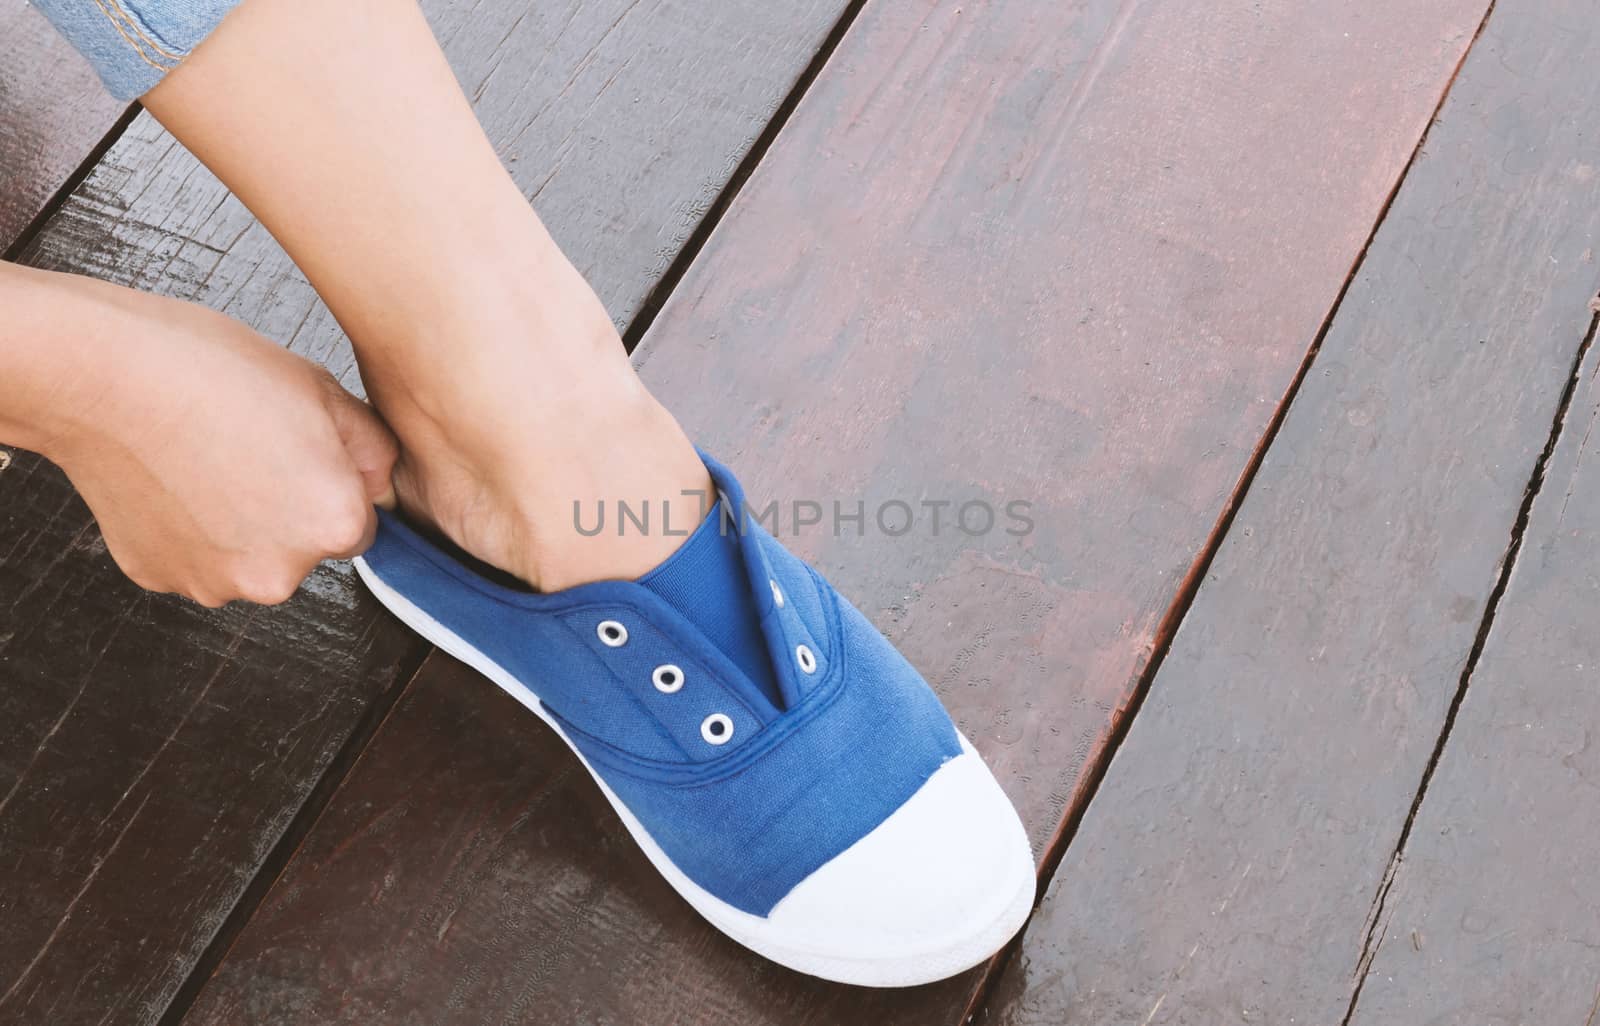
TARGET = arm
x,y
41,353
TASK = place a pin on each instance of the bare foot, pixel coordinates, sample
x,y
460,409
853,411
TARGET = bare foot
x,y
507,447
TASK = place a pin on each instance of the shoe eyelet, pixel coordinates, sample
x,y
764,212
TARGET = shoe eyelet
x,y
667,678
807,661
717,729
777,596
612,634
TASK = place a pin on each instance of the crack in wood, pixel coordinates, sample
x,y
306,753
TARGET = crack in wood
x,y
1508,562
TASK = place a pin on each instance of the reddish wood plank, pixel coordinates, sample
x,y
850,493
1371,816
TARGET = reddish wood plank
x,y
1492,915
52,113
1228,866
152,753
1067,253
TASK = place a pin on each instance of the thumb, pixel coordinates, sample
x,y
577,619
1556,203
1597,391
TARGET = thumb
x,y
368,440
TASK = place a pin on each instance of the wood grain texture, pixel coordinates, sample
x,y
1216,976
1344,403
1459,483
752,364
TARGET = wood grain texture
x,y
1228,865
151,752
1071,254
53,112
1492,916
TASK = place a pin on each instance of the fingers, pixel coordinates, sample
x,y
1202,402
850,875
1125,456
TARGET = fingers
x,y
207,513
408,492
370,443
349,549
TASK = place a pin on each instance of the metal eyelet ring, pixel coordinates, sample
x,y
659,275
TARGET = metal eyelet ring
x,y
808,661
777,596
717,729
667,678
612,634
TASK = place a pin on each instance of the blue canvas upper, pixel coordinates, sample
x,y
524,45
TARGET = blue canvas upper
x,y
798,781
699,581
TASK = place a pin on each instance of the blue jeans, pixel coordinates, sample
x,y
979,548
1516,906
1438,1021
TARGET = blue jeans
x,y
134,43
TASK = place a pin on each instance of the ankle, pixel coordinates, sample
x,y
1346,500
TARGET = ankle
x,y
487,340
496,297
481,392
635,455
516,408
527,501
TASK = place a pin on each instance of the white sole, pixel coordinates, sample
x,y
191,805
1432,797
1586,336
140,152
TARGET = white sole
x,y
759,934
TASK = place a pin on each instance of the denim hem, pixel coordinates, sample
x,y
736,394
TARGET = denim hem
x,y
133,44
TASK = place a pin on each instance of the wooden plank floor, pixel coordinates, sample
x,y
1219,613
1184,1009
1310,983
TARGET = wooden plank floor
x,y
956,258
1236,863
1491,916
154,755
1078,254
53,113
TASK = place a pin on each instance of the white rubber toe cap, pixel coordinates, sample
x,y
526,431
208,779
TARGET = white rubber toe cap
x,y
936,888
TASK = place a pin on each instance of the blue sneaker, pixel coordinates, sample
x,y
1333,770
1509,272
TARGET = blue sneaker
x,y
804,791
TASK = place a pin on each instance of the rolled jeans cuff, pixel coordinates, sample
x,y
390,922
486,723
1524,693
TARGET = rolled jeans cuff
x,y
134,43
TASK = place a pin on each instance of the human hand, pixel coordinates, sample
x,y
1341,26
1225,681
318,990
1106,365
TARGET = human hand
x,y
219,465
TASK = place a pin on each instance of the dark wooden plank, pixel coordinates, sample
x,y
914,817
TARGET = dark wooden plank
x,y
52,114
1069,253
153,753
1492,915
1228,867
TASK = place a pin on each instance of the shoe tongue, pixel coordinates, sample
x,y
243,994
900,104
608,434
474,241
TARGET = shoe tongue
x,y
706,582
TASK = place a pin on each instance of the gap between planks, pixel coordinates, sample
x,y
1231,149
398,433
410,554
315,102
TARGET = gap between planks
x,y
658,296
317,801
289,842
1376,927
57,200
1056,849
